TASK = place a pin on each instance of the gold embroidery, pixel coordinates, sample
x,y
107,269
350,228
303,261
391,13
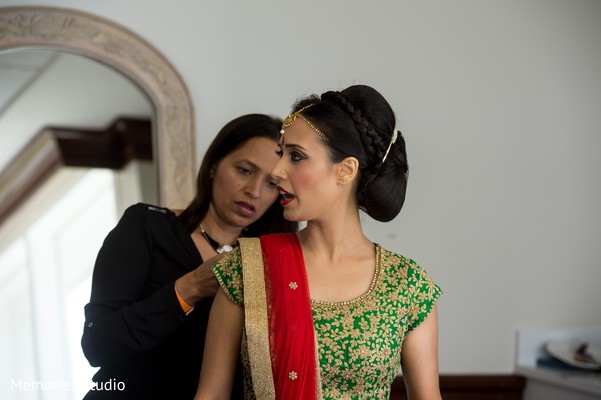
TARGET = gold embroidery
x,y
359,341
293,285
292,375
364,295
256,319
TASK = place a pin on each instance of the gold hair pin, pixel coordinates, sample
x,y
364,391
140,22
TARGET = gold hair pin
x,y
392,140
289,120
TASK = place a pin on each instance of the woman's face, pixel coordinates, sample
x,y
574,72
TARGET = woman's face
x,y
306,174
243,187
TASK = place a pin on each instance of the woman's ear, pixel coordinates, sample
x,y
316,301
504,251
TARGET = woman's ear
x,y
347,170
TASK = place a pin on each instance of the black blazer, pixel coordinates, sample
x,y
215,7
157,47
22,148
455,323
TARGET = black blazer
x,y
135,330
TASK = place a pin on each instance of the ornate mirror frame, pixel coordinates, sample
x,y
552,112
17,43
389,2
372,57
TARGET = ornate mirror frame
x,y
47,28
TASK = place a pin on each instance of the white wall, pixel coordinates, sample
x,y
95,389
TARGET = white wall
x,y
499,102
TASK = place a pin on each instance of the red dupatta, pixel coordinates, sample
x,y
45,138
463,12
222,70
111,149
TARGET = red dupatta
x,y
278,319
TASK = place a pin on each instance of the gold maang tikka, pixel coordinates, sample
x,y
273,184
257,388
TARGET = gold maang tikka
x,y
289,120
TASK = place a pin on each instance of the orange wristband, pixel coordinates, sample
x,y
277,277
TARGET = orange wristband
x,y
185,306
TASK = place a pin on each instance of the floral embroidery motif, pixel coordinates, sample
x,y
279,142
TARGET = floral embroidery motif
x,y
292,375
359,341
293,285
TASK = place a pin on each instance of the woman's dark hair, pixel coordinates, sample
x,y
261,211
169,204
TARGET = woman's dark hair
x,y
231,137
360,123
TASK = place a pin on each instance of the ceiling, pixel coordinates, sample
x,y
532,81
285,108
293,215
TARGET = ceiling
x,y
18,69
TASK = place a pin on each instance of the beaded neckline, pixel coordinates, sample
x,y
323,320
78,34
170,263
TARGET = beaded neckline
x,y
369,291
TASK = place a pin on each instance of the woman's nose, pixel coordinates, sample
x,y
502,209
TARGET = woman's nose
x,y
253,188
278,171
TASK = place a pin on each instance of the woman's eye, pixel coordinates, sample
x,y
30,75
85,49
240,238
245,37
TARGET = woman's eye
x,y
296,156
279,153
244,171
272,184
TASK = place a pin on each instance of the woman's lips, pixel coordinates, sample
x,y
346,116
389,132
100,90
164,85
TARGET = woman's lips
x,y
286,197
245,208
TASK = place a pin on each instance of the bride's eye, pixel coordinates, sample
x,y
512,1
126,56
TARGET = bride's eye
x,y
296,156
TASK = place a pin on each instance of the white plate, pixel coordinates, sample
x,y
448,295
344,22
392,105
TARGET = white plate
x,y
565,351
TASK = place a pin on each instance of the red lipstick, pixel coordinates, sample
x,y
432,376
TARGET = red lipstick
x,y
286,197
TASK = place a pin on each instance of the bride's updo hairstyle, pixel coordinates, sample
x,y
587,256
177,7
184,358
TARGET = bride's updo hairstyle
x,y
358,122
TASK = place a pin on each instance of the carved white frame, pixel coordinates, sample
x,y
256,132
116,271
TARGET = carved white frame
x,y
111,44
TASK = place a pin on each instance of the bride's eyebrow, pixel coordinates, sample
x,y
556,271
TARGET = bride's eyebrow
x,y
294,146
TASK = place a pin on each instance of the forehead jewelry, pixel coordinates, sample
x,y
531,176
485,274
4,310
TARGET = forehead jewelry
x,y
292,117
392,140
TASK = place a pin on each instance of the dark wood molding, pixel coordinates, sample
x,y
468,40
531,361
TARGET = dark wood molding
x,y
114,147
123,140
471,387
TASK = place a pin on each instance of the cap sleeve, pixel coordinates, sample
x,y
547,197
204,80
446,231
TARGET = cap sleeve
x,y
229,275
423,294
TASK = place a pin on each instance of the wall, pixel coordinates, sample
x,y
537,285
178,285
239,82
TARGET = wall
x,y
499,103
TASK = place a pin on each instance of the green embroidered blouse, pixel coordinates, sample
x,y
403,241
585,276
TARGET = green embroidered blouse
x,y
359,341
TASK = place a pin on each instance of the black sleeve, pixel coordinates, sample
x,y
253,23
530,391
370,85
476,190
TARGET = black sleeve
x,y
118,324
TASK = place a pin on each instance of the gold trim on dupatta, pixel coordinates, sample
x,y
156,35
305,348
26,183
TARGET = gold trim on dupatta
x,y
256,319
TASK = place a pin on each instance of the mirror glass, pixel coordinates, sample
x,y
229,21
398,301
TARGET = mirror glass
x,y
49,243
49,88
46,257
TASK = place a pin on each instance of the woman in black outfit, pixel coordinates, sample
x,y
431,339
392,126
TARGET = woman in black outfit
x,y
147,316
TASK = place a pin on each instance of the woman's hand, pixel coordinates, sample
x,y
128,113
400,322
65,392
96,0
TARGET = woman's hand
x,y
200,283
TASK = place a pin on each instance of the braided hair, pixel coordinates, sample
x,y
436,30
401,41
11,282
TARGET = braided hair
x,y
360,123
